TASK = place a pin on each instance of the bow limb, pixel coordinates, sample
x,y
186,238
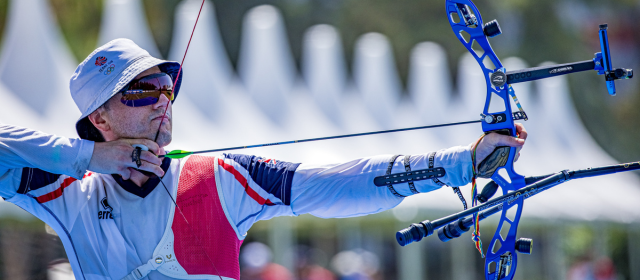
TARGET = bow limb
x,y
466,23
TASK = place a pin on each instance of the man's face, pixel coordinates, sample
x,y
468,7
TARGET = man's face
x,y
138,122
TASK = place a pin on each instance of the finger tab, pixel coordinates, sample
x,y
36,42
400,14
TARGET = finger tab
x,y
142,147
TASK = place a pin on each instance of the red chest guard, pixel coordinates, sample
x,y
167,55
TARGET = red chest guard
x,y
208,244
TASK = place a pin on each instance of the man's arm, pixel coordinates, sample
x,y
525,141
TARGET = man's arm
x,y
24,148
347,189
256,189
50,154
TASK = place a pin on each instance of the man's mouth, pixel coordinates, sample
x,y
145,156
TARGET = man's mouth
x,y
167,117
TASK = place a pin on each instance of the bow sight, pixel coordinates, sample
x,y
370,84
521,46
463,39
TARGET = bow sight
x,y
601,63
501,260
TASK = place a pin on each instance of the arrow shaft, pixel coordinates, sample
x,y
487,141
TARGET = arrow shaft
x,y
331,137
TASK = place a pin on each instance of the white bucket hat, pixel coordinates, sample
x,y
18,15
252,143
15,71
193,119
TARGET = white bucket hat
x,y
105,72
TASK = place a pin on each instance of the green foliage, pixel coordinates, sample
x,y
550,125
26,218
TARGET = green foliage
x,y
619,247
4,6
581,242
160,15
80,24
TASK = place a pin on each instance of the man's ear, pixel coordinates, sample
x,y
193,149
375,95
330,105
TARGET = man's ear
x,y
99,120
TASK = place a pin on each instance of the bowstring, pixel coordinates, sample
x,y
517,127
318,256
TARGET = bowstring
x,y
158,133
179,71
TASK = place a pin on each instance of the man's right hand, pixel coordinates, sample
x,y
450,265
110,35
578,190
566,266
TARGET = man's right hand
x,y
114,157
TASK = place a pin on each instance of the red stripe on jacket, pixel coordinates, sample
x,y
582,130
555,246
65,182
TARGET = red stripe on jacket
x,y
243,181
58,192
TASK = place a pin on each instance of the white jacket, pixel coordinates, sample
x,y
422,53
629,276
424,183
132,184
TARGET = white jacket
x,y
109,226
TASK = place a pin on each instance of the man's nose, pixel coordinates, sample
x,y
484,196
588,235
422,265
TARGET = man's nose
x,y
162,101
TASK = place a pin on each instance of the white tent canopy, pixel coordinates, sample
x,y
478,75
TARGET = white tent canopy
x,y
35,67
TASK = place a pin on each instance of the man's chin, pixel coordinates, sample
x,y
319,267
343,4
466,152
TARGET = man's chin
x,y
164,139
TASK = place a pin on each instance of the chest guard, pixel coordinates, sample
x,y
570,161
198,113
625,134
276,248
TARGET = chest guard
x,y
208,244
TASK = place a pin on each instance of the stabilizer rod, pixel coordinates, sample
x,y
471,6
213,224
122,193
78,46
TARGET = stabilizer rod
x,y
426,228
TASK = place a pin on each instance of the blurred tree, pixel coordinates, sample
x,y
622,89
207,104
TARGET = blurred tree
x,y
80,24
4,6
161,14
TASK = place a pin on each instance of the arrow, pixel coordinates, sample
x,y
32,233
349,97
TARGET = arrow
x,y
180,153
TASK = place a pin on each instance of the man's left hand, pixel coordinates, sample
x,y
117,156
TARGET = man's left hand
x,y
493,140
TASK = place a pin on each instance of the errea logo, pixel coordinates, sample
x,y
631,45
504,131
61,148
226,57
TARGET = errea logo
x,y
103,215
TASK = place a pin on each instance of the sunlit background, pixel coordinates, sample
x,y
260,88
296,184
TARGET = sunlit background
x,y
265,71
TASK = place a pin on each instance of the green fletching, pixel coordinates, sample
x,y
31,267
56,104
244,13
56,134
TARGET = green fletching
x,y
178,154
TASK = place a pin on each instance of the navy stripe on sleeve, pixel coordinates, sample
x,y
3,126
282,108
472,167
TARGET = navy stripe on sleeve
x,y
33,179
273,176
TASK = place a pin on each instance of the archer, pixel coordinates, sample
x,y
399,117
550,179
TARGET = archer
x,y
124,213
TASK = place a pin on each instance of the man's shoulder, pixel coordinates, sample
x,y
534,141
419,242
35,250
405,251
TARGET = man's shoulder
x,y
249,162
45,186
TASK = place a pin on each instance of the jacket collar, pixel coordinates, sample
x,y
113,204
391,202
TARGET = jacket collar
x,y
147,187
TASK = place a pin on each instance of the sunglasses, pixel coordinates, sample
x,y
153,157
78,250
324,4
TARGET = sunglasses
x,y
147,90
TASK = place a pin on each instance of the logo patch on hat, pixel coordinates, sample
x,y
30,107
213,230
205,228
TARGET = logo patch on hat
x,y
110,69
101,60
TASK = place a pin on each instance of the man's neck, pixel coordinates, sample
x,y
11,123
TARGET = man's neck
x,y
138,178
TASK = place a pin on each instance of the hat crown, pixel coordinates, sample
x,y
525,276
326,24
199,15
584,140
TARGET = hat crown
x,y
100,70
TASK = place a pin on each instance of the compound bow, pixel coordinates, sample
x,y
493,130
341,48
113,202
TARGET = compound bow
x,y
501,260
